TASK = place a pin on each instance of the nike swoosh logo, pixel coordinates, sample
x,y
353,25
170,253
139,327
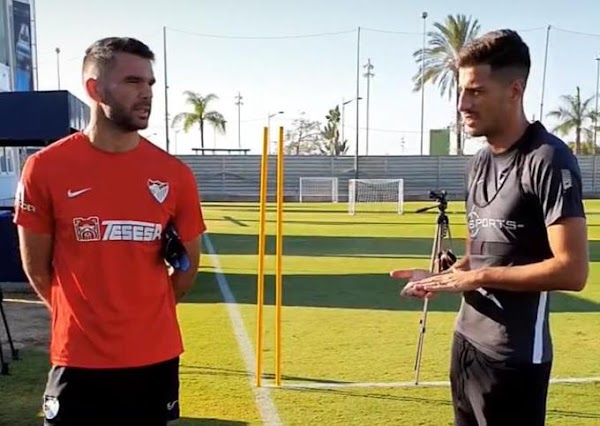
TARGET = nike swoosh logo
x,y
72,194
171,405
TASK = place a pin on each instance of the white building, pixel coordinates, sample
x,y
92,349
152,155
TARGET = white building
x,y
17,73
10,170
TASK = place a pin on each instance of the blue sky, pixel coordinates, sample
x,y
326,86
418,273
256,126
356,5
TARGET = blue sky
x,y
311,74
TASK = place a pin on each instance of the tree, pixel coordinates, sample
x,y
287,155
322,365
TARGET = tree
x,y
586,148
304,137
200,114
331,135
439,59
575,115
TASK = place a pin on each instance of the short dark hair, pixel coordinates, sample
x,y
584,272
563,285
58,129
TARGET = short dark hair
x,y
103,52
503,50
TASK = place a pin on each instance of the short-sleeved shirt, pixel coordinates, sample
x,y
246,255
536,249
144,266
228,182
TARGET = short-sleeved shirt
x,y
511,199
112,300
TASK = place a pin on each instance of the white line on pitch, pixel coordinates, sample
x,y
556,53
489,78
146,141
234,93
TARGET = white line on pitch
x,y
266,407
334,385
25,301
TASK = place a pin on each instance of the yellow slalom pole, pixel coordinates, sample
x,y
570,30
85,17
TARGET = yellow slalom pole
x,y
260,279
278,265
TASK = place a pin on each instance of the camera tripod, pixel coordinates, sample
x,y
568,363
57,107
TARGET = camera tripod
x,y
442,258
14,352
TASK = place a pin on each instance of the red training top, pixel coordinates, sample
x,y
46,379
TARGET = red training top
x,y
112,301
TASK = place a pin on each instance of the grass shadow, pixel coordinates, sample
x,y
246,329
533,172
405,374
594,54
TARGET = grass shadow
x,y
373,395
235,221
337,246
324,246
203,370
574,414
188,421
359,291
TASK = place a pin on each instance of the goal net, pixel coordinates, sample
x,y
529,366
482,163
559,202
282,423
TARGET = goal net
x,y
318,189
376,195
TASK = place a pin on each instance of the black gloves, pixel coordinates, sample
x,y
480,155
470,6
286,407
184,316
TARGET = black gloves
x,y
173,250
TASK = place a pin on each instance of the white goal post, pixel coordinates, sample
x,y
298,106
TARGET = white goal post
x,y
318,189
376,195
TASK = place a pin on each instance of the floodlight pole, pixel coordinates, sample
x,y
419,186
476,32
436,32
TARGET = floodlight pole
x,y
239,103
596,110
368,76
357,103
544,74
424,16
166,90
57,50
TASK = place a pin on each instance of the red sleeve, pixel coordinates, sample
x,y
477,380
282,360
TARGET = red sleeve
x,y
188,220
33,204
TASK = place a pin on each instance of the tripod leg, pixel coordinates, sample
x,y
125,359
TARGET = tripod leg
x,y
437,243
422,325
14,352
3,363
448,233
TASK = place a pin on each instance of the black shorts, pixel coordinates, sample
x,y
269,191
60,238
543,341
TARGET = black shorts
x,y
146,396
488,392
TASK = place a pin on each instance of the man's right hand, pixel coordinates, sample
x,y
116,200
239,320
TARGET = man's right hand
x,y
412,275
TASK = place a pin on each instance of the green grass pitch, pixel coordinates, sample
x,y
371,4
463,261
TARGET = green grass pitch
x,y
342,323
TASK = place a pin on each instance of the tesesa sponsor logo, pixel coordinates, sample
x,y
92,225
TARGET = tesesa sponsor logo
x,y
93,229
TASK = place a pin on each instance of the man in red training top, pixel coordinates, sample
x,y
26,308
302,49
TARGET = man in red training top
x,y
91,212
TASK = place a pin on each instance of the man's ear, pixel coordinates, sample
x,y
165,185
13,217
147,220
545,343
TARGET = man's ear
x,y
92,89
518,89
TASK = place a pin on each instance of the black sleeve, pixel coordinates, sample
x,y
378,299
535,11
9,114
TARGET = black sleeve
x,y
557,184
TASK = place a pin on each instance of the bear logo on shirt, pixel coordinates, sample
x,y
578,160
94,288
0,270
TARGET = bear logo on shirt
x,y
87,229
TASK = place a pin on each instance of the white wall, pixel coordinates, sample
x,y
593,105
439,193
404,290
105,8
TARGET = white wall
x,y
9,174
5,79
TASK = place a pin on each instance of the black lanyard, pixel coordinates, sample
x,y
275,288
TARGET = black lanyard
x,y
481,179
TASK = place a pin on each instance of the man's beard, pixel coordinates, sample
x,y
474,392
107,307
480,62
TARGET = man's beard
x,y
123,118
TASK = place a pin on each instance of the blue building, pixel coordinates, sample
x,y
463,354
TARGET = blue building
x,y
29,118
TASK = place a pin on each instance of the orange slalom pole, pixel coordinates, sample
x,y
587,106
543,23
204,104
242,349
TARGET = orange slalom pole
x,y
278,262
260,277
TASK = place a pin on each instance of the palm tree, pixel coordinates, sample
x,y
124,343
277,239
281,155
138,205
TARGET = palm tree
x,y
200,114
574,114
439,59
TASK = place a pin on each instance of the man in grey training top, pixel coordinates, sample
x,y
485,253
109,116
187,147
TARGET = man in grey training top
x,y
527,236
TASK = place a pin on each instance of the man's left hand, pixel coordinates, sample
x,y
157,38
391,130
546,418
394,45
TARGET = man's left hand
x,y
455,282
